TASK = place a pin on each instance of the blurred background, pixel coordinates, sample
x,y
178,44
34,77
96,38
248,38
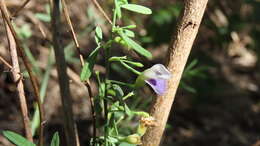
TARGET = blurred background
x,y
218,101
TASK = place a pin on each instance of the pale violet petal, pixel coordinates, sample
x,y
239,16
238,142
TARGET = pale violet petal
x,y
161,71
157,71
158,85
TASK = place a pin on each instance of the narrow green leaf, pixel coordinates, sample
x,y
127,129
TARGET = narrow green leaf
x,y
17,139
118,90
130,26
127,110
130,68
137,64
118,9
129,33
112,139
187,87
137,8
98,34
88,66
116,58
43,17
141,113
55,139
126,144
139,49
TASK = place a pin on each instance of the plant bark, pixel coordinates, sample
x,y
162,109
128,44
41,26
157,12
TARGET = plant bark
x,y
178,54
28,66
17,77
61,65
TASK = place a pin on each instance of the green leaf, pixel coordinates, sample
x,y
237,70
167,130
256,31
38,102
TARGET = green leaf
x,y
118,90
141,113
129,33
137,64
137,8
88,66
139,49
98,34
126,144
187,87
127,110
118,9
55,139
17,139
25,31
130,26
43,17
130,68
116,58
112,139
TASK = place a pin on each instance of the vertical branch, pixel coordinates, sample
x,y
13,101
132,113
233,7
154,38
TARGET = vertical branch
x,y
19,82
62,76
28,66
178,53
87,83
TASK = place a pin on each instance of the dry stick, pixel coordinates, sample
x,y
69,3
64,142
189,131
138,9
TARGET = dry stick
x,y
18,80
66,13
87,83
20,8
102,11
6,63
178,53
28,67
63,77
38,24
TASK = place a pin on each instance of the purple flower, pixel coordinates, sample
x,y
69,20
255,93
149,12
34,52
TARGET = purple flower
x,y
156,77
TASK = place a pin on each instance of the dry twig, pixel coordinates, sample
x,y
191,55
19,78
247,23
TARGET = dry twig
x,y
15,69
6,63
20,8
178,54
102,11
87,84
28,66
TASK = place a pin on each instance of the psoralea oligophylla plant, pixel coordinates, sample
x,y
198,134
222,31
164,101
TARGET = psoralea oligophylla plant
x,y
111,100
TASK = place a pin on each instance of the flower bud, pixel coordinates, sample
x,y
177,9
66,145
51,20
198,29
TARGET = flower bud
x,y
133,139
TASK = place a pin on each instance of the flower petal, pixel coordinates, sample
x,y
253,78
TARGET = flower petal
x,y
157,71
158,85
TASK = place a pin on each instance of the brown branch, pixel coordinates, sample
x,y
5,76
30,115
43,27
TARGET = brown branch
x,y
178,53
5,62
15,69
73,34
87,84
28,66
37,23
102,11
20,8
63,77
44,31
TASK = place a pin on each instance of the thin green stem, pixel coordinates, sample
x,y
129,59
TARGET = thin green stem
x,y
107,54
122,83
107,47
114,20
130,68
